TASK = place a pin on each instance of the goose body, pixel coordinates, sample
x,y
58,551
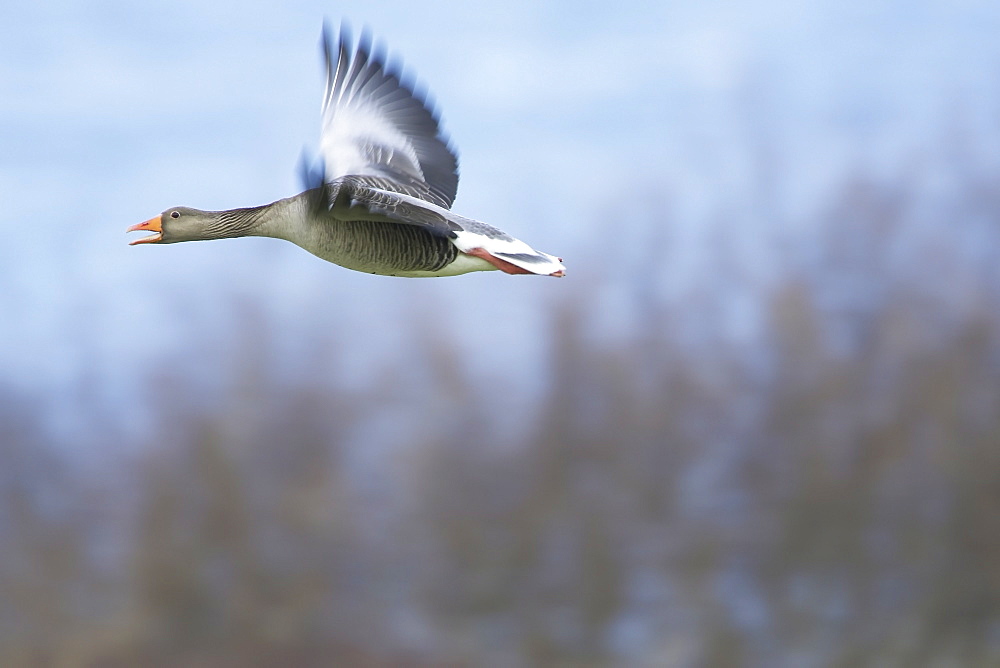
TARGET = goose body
x,y
380,201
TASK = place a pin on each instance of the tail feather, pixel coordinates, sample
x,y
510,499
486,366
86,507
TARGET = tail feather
x,y
535,262
505,252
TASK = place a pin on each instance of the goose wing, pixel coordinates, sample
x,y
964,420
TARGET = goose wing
x,y
353,198
378,128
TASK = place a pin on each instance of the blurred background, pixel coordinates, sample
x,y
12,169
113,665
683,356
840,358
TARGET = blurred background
x,y
758,424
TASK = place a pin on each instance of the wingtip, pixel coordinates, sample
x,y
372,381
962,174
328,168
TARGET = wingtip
x,y
365,41
330,44
312,172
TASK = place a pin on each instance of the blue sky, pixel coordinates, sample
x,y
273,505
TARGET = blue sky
x,y
565,116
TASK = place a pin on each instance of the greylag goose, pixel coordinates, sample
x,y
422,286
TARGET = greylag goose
x,y
380,200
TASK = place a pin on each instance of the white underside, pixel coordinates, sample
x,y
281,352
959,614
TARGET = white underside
x,y
544,265
463,264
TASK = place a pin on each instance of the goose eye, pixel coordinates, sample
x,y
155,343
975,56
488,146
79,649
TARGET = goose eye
x,y
175,214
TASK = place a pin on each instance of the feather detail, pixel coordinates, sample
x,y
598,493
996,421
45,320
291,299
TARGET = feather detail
x,y
376,125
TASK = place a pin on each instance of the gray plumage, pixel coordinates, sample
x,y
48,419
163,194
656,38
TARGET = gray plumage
x,y
379,201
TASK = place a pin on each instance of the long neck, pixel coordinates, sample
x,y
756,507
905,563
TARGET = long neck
x,y
237,222
269,220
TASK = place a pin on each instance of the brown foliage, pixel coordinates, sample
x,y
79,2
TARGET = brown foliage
x,y
822,492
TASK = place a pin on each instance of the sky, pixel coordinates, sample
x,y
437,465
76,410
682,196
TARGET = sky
x,y
569,118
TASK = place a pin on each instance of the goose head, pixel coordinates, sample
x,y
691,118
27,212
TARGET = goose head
x,y
182,224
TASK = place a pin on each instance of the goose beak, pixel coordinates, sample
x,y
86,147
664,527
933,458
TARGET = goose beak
x,y
151,225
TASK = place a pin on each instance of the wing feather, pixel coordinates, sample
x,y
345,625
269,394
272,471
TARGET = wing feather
x,y
361,198
377,125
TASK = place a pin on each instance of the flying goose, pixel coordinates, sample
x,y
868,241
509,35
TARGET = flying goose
x,y
380,200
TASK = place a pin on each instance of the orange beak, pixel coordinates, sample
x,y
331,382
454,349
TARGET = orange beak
x,y
151,225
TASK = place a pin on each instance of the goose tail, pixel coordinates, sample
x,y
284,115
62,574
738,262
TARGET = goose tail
x,y
509,255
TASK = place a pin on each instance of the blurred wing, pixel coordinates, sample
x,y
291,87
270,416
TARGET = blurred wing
x,y
375,126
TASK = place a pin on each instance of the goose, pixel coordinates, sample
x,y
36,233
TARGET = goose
x,y
379,200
